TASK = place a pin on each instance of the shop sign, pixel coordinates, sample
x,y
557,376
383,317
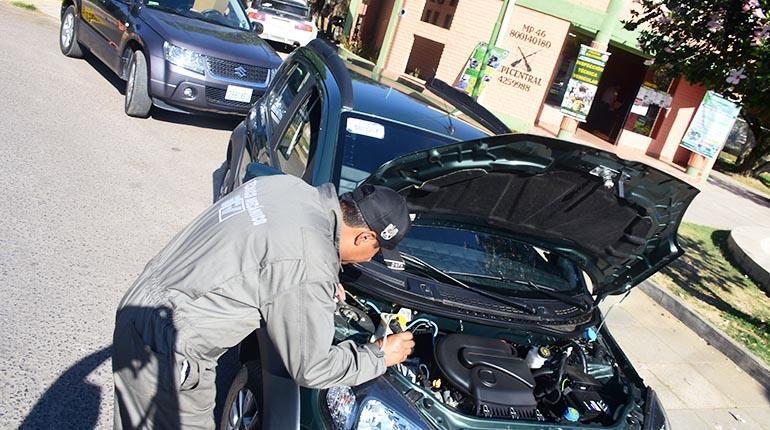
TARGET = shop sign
x,y
470,75
711,125
581,88
519,74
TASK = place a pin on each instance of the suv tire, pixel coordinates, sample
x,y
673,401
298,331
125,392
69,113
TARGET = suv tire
x,y
138,101
243,406
68,34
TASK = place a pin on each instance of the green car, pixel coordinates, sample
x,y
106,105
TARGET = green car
x,y
515,241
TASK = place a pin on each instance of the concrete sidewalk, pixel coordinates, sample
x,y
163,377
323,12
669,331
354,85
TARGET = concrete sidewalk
x,y
50,8
699,387
725,204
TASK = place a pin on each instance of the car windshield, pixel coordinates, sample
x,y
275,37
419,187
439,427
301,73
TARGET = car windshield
x,y
365,146
491,261
283,8
229,13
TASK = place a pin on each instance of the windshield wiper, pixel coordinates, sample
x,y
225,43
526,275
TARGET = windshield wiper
x,y
498,297
548,291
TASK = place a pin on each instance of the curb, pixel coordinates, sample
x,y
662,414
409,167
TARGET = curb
x,y
741,356
747,254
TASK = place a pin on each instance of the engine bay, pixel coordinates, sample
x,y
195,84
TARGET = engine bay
x,y
476,371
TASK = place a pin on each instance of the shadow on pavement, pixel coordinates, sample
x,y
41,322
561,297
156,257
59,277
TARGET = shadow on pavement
x,y
704,276
71,402
106,72
689,273
216,122
739,191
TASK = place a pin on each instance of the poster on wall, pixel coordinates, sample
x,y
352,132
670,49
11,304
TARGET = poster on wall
x,y
581,88
711,125
467,80
648,96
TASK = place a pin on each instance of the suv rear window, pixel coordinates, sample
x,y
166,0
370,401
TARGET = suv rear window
x,y
281,7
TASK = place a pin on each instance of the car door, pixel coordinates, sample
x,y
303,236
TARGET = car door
x,y
273,110
109,19
297,142
281,104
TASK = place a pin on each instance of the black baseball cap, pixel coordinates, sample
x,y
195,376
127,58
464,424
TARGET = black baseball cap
x,y
386,213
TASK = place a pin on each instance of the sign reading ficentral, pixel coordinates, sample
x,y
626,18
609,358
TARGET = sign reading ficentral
x,y
709,129
581,88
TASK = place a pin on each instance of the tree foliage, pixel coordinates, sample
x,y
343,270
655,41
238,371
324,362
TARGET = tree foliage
x,y
722,44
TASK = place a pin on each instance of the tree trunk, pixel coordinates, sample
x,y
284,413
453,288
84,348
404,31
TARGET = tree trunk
x,y
760,149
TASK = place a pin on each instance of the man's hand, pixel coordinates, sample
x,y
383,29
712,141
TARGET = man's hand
x,y
340,294
396,347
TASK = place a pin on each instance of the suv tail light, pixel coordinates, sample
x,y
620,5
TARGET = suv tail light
x,y
257,16
303,26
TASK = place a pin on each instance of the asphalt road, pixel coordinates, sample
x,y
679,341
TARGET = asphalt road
x,y
89,196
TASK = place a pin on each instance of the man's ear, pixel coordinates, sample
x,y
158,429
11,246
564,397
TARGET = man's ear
x,y
366,237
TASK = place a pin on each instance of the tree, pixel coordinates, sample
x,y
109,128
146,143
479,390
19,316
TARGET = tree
x,y
722,44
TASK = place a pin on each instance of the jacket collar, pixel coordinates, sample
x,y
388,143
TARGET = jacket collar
x,y
331,205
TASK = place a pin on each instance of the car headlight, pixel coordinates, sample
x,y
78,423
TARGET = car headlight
x,y
341,403
376,415
373,413
186,58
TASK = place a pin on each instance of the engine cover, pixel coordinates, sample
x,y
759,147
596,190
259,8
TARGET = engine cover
x,y
487,370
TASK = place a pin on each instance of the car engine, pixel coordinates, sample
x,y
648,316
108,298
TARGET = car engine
x,y
562,381
497,382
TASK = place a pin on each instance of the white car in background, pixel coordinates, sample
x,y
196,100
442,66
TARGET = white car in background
x,y
285,21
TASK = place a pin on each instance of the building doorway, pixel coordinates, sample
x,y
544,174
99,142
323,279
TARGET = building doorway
x,y
615,95
424,58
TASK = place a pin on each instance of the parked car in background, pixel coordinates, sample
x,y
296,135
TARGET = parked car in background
x,y
515,241
285,21
179,55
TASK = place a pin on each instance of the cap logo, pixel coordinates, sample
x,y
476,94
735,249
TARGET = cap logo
x,y
389,232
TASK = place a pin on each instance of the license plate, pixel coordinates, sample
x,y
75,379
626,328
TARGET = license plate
x,y
281,24
238,94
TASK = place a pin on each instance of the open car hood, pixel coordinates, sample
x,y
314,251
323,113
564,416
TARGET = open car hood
x,y
615,218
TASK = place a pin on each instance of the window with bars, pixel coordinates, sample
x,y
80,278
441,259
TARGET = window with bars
x,y
439,12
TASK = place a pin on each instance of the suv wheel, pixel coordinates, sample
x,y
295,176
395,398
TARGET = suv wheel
x,y
138,101
68,34
243,406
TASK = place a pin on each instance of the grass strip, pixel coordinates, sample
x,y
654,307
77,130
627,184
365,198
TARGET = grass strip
x,y
24,5
710,284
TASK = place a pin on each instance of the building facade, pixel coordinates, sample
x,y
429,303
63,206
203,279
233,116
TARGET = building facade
x,y
422,39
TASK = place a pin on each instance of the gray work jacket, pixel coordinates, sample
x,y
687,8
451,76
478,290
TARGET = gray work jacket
x,y
266,253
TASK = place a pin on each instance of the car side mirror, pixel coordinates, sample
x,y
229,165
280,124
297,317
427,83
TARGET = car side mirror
x,y
257,27
255,170
133,5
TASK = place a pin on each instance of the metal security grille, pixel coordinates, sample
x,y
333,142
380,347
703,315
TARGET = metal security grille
x,y
225,69
217,96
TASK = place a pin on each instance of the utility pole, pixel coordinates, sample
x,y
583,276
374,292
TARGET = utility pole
x,y
387,41
601,42
350,19
502,21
